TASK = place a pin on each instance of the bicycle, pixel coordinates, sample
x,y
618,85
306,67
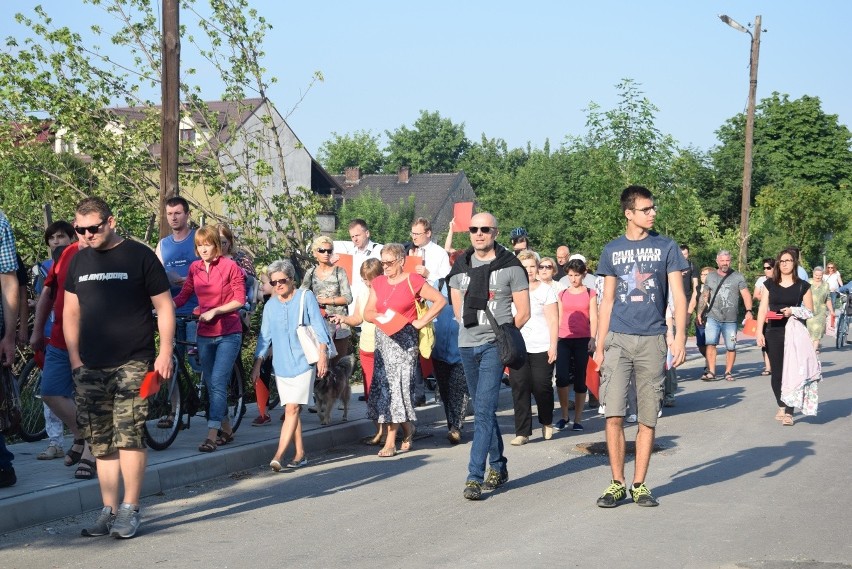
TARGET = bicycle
x,y
184,395
33,428
844,312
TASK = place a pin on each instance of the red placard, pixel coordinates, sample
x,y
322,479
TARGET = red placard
x,y
750,328
462,212
344,261
150,385
593,377
390,322
411,263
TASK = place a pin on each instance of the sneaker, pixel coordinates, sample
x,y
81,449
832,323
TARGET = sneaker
x,y
261,420
519,440
472,490
454,436
602,410
494,479
52,451
7,477
298,463
126,522
102,525
561,424
632,418
611,496
577,427
362,398
669,402
659,413
642,496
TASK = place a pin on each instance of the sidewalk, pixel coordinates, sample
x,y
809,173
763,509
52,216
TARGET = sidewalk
x,y
47,490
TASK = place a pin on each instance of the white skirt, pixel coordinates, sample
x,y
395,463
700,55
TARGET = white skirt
x,y
298,389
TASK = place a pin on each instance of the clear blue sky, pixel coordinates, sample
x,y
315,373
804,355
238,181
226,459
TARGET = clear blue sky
x,y
524,71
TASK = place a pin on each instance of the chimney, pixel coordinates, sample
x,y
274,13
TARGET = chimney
x,y
402,174
352,174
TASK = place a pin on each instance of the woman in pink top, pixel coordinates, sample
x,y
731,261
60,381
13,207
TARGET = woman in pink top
x,y
219,284
578,323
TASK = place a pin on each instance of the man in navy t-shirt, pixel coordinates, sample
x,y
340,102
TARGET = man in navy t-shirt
x,y
640,269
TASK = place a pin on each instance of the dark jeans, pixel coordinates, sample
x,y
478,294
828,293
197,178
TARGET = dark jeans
x,y
484,373
775,349
534,379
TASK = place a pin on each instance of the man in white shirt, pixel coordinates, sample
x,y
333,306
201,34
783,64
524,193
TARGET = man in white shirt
x,y
436,262
361,248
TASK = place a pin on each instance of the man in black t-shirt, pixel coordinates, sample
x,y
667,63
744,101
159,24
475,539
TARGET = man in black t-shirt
x,y
109,329
690,282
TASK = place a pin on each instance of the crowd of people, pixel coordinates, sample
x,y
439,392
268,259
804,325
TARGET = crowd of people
x,y
451,314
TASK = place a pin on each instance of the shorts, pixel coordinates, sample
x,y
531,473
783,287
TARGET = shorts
x,y
728,330
627,355
56,376
110,412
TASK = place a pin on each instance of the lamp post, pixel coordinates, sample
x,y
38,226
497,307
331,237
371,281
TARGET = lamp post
x,y
742,260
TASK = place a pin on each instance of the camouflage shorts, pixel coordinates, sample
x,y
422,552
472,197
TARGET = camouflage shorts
x,y
110,412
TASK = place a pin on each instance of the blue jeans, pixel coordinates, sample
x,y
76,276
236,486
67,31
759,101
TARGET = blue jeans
x,y
6,457
218,354
484,371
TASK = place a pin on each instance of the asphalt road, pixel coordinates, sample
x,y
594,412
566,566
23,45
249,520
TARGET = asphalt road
x,y
736,489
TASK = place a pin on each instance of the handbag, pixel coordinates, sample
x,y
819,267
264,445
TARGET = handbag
x,y
10,402
707,308
513,349
307,336
426,335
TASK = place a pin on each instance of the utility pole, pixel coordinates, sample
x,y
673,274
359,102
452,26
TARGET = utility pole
x,y
742,261
170,110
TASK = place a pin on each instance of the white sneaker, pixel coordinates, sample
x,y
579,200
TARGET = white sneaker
x,y
602,410
631,418
660,414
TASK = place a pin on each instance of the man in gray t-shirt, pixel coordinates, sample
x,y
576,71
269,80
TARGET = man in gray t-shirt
x,y
486,275
722,318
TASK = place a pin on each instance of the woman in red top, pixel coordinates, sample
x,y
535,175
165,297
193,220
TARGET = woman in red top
x,y
396,354
219,285
578,326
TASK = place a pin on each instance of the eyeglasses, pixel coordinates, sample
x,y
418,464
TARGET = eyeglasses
x,y
279,282
413,234
326,251
646,210
93,229
830,267
486,230
785,261
389,263
548,267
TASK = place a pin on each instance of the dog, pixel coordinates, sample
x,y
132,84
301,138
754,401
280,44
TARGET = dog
x,y
332,386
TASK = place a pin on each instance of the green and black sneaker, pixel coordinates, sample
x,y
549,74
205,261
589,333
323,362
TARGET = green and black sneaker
x,y
494,479
642,496
615,491
472,490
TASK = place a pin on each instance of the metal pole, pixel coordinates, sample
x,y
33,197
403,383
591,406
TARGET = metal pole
x,y
170,111
742,261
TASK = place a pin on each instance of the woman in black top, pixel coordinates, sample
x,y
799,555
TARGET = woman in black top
x,y
785,292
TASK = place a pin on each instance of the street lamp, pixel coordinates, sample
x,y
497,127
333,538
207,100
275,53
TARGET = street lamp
x,y
742,261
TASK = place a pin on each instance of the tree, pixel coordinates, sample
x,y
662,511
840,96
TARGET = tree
x,y
361,149
387,224
435,145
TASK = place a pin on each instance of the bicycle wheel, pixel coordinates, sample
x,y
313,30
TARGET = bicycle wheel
x,y
164,413
236,406
32,407
840,335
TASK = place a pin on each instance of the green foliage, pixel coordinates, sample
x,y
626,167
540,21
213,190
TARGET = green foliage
x,y
387,224
361,149
435,144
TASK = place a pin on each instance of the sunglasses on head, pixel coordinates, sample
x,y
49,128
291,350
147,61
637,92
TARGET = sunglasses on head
x,y
486,230
91,229
279,281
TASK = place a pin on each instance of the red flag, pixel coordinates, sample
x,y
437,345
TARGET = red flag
x,y
262,394
150,385
593,377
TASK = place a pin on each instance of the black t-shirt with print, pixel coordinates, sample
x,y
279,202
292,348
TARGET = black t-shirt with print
x,y
114,288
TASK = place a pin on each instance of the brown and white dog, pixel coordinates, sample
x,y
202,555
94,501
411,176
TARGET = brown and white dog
x,y
333,386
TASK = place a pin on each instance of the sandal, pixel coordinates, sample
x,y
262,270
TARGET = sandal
x,y
387,452
207,446
224,438
73,456
779,416
86,470
766,372
166,422
787,421
729,376
708,376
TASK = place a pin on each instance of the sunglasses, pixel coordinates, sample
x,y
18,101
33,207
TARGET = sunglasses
x,y
327,251
389,263
486,230
548,267
93,229
279,281
767,268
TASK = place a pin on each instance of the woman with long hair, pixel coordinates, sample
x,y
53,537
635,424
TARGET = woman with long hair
x,y
759,290
822,307
786,292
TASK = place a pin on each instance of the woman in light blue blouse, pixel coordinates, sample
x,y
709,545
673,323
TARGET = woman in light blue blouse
x,y
294,376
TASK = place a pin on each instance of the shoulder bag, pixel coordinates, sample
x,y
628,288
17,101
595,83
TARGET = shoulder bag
x,y
707,308
513,349
426,335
